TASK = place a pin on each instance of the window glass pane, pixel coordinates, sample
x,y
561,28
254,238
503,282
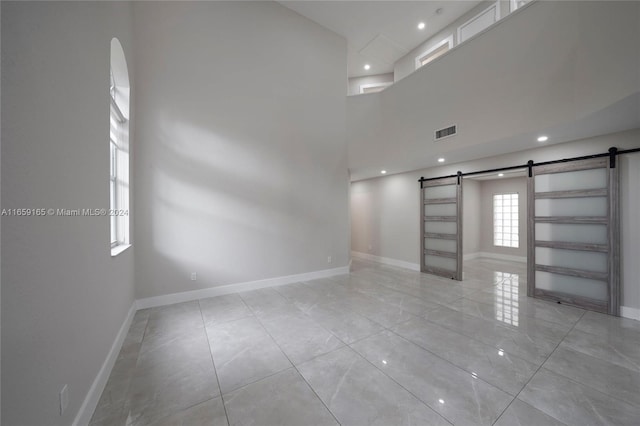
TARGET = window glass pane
x,y
374,89
441,262
440,245
573,259
112,160
440,209
442,191
113,230
582,179
118,151
112,198
477,24
592,206
112,205
572,233
584,287
434,54
505,220
441,227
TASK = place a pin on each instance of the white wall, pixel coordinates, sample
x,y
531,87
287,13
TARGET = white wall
x,y
385,211
407,64
241,166
630,229
471,216
64,296
379,217
553,64
0,225
355,82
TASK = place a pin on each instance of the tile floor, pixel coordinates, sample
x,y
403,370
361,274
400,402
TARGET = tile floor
x,y
380,346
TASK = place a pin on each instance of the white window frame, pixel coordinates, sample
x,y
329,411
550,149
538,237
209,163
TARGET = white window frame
x,y
499,225
513,5
115,141
423,55
119,158
372,85
495,6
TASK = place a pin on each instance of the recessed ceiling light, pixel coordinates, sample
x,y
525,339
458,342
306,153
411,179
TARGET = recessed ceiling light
x,y
367,66
543,138
500,174
384,172
440,160
421,25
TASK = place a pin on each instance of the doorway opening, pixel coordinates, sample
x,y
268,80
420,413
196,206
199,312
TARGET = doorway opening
x,y
570,245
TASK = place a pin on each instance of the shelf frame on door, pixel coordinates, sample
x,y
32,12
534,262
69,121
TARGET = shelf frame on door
x,y
427,203
610,303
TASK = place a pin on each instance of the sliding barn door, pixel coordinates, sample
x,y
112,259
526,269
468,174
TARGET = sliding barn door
x,y
441,227
573,234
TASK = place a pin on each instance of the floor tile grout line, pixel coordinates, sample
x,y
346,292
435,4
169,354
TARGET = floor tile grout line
x,y
436,355
387,286
498,324
396,382
462,369
296,368
453,299
571,379
545,323
530,317
413,295
212,323
333,334
187,408
477,340
396,324
328,331
438,305
144,335
127,391
213,363
539,368
303,313
457,366
354,312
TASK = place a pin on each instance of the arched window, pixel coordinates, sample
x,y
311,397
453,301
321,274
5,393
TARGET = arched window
x,y
119,90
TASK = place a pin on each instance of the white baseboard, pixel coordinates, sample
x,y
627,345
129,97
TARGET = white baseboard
x,y
187,296
631,313
387,260
470,256
93,396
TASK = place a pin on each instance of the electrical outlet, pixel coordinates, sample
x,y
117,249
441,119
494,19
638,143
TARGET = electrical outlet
x,y
64,399
194,276
328,259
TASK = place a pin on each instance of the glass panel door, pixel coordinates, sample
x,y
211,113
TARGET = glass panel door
x,y
441,227
573,234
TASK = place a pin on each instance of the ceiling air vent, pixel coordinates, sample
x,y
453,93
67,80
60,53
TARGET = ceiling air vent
x,y
446,132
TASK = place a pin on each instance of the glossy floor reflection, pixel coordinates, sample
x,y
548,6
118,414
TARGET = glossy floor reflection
x,y
379,346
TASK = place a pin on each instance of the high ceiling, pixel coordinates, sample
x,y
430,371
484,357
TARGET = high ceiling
x,y
379,33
